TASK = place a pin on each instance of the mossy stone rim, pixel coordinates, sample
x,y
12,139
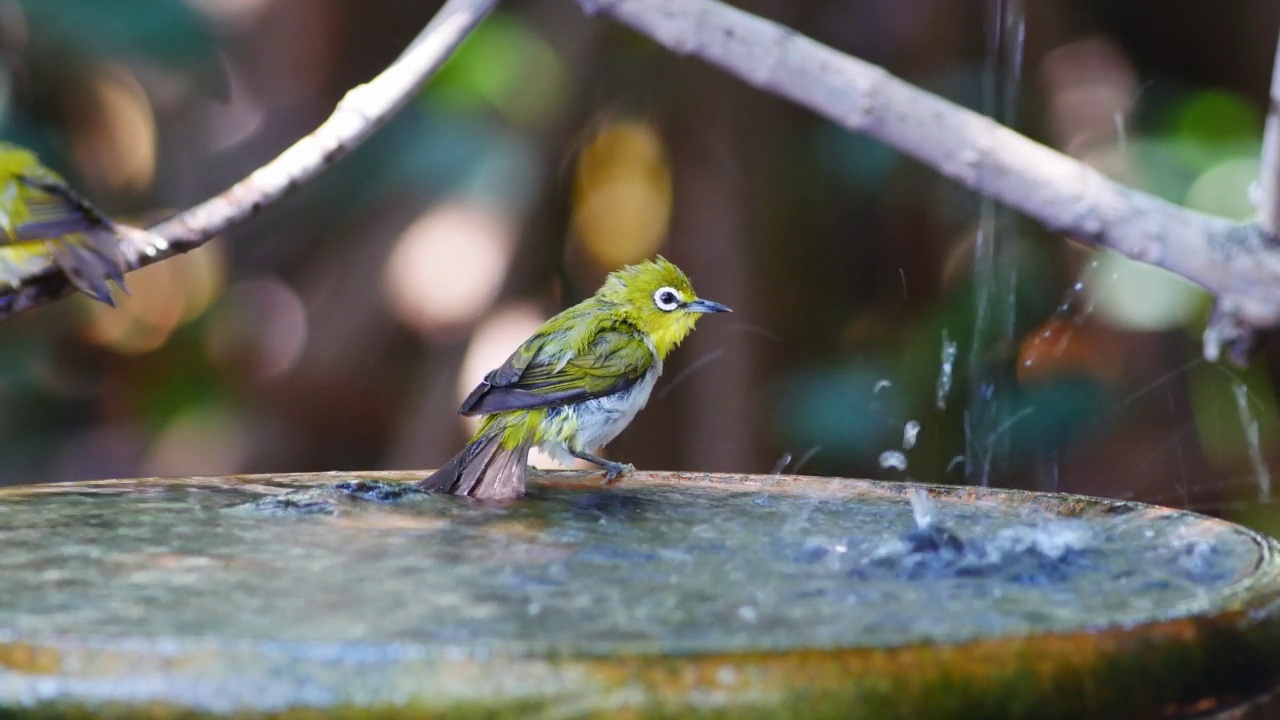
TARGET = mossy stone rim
x,y
1191,659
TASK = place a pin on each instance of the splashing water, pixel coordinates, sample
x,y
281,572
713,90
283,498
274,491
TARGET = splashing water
x,y
1122,134
945,371
1250,426
1007,45
893,460
922,508
782,464
1041,548
785,461
983,450
909,432
1079,302
896,459
806,457
994,263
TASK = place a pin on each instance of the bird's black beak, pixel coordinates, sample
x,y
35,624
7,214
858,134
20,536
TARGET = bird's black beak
x,y
705,306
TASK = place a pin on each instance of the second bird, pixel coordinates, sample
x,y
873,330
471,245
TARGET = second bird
x,y
576,383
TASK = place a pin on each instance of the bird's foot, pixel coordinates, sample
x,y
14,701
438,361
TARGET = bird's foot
x,y
612,470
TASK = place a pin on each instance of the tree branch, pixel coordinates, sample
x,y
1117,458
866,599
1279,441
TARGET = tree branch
x,y
1235,262
1268,188
358,115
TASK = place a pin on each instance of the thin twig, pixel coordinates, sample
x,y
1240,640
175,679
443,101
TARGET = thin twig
x,y
1236,262
360,113
1267,198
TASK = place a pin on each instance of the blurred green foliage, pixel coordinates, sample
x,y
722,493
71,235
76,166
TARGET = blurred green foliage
x,y
848,262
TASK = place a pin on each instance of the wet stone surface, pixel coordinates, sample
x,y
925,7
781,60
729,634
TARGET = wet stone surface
x,y
681,567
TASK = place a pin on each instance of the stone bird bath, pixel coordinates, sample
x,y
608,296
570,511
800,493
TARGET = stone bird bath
x,y
666,594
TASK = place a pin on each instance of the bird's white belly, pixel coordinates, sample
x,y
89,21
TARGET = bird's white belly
x,y
600,420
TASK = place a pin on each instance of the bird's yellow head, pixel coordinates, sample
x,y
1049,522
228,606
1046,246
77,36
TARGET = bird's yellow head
x,y
657,297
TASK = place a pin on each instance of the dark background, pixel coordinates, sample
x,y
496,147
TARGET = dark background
x,y
340,329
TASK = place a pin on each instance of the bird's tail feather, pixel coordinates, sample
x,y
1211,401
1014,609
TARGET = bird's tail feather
x,y
83,242
484,470
91,260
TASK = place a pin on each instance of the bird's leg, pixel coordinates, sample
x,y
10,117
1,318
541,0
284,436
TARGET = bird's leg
x,y
611,469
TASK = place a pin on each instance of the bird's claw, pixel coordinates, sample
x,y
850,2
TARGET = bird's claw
x,y
613,470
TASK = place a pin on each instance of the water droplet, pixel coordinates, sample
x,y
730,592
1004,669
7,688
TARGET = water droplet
x,y
945,371
909,433
893,459
1249,424
782,463
922,508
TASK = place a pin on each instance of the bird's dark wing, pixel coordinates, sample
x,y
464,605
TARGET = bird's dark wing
x,y
55,210
58,222
612,362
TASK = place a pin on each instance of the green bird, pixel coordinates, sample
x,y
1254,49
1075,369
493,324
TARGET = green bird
x,y
576,383
42,221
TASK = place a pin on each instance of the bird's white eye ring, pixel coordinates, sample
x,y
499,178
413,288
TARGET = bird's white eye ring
x,y
666,298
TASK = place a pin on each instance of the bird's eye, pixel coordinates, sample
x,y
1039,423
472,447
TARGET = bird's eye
x,y
667,299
